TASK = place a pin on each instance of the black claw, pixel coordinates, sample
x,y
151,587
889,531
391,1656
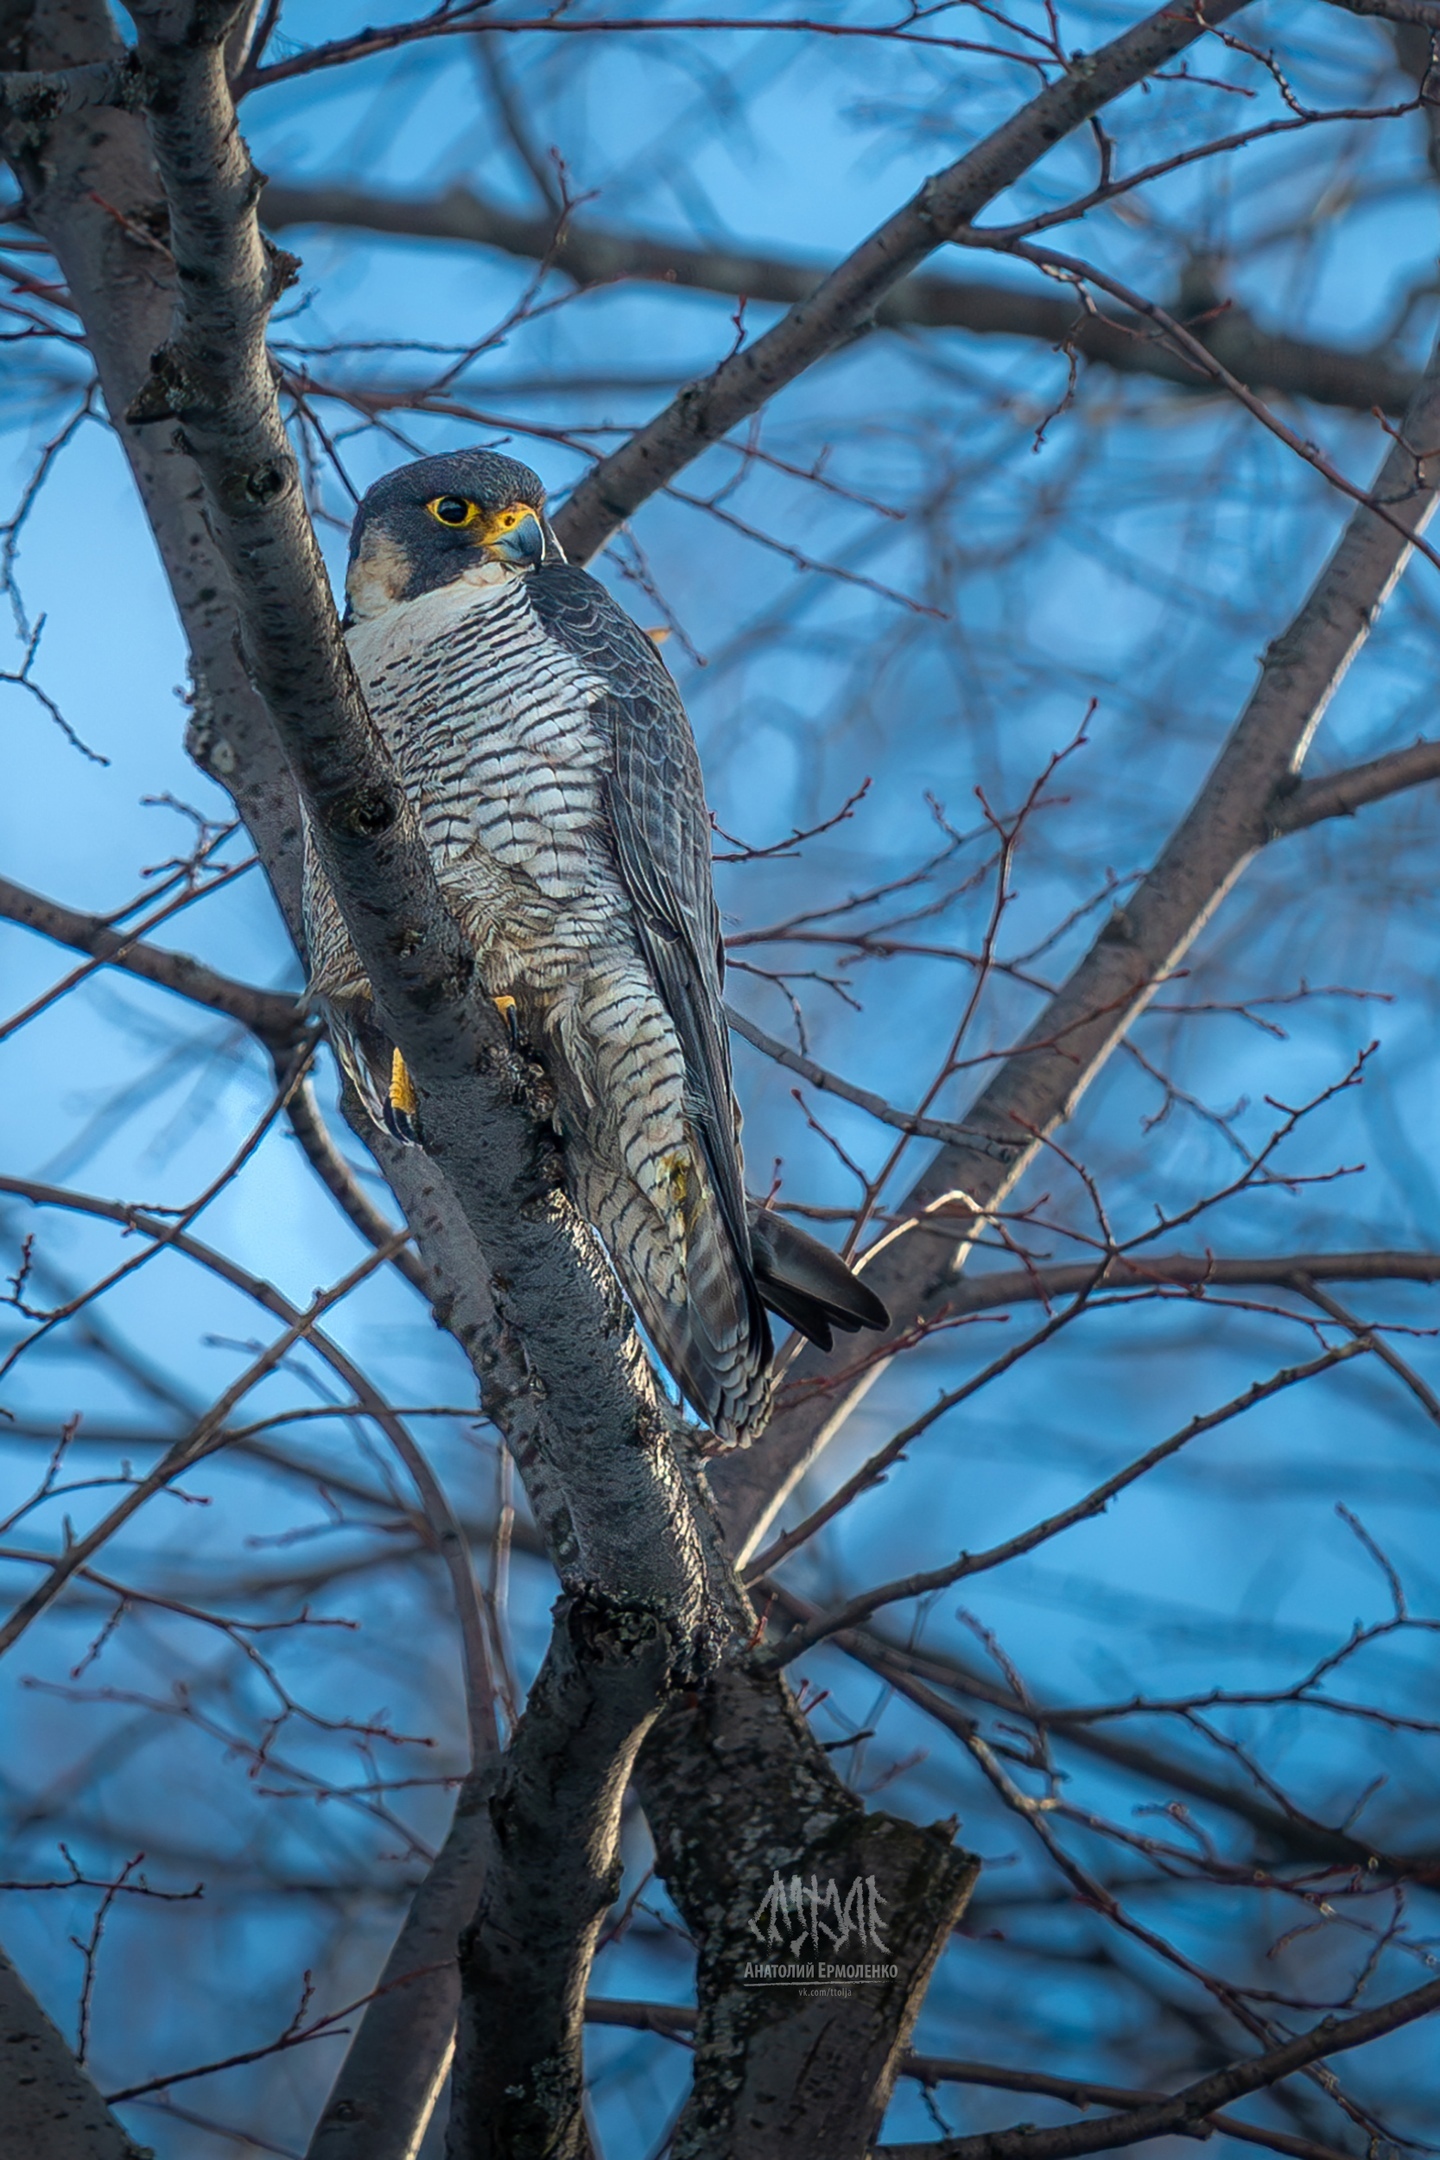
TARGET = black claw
x,y
401,1126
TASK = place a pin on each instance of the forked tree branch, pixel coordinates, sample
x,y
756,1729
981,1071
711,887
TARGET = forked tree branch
x,y
1341,794
638,1561
793,1788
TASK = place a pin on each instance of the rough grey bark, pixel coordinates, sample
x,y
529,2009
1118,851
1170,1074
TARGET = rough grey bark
x,y
593,254
33,99
1036,1089
845,302
49,2110
552,1848
779,2074
559,1302
1423,13
125,299
736,1788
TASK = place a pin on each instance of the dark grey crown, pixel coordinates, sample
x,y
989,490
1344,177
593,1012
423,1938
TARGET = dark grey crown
x,y
483,476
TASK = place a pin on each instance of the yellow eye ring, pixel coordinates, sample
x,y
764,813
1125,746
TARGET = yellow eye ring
x,y
453,511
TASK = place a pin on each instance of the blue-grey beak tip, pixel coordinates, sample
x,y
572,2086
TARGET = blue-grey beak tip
x,y
525,546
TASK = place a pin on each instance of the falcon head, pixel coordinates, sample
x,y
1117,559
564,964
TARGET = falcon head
x,y
442,519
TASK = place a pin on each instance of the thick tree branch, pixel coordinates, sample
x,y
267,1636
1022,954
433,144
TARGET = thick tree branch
x,y
1196,1272
123,292
273,1018
1040,1084
621,1524
735,1788
395,2067
1425,14
845,301
33,99
786,1765
49,2110
598,255
1341,794
213,375
553,1871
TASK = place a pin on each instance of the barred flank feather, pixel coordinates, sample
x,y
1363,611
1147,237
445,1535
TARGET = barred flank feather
x,y
701,1312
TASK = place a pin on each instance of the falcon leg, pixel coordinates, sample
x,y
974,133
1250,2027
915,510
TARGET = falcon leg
x,y
401,1103
509,1013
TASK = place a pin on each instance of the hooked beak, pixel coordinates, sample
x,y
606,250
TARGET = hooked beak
x,y
522,545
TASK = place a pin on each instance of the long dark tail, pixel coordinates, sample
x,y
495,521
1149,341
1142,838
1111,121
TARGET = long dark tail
x,y
807,1284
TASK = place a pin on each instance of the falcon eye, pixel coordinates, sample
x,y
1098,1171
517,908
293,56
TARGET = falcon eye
x,y
453,510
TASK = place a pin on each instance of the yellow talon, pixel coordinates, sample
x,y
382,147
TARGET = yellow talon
x,y
509,1013
403,1099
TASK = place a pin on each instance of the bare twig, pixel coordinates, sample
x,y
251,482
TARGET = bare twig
x,y
1183,2110
595,255
1094,1503
846,300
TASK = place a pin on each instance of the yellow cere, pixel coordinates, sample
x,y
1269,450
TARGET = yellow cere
x,y
508,520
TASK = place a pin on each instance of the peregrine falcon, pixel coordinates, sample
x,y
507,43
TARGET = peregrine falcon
x,y
551,763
